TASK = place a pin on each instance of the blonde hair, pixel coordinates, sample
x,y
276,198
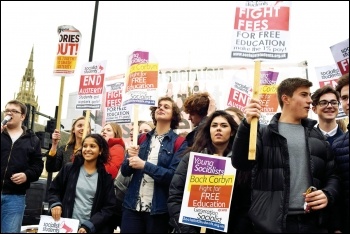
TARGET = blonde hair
x,y
149,123
118,132
239,113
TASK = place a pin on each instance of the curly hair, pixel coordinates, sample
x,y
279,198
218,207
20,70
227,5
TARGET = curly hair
x,y
197,103
176,118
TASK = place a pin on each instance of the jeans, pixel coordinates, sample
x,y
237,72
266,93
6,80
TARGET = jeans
x,y
12,211
304,223
143,222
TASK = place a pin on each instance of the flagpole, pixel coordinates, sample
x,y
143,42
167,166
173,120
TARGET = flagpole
x,y
92,43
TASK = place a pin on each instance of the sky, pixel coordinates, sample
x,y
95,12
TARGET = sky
x,y
178,34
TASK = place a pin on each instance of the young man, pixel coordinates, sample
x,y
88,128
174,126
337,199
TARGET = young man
x,y
340,149
196,106
325,103
291,156
21,164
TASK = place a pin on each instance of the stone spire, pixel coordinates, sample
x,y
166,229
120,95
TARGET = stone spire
x,y
27,87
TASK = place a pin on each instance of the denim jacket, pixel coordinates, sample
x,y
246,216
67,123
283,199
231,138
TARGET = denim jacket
x,y
162,173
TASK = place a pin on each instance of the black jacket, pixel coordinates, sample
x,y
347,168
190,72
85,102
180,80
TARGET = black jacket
x,y
62,193
64,155
192,135
271,172
340,149
22,156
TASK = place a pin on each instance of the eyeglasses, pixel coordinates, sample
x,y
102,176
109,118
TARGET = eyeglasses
x,y
325,103
344,98
12,111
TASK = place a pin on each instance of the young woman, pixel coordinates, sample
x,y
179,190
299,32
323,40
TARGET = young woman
x,y
145,127
152,165
236,114
214,137
83,189
59,156
112,133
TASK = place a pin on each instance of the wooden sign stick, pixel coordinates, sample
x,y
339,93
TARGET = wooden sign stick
x,y
136,126
59,111
254,123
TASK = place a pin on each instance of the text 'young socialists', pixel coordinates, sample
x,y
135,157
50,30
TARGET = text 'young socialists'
x,y
205,165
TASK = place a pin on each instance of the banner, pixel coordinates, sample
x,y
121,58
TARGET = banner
x,y
208,191
261,30
67,51
48,225
340,53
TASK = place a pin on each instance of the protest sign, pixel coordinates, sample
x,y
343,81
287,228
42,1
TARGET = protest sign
x,y
208,190
48,225
261,30
340,52
67,50
91,86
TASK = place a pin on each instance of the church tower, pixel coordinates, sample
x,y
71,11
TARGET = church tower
x,y
27,87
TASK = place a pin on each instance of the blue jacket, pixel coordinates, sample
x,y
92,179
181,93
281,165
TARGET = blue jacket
x,y
162,173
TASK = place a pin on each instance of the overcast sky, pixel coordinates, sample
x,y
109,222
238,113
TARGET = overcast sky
x,y
179,34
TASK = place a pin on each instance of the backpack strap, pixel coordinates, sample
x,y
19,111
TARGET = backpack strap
x,y
142,138
178,142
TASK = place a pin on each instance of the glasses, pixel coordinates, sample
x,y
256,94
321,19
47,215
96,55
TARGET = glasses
x,y
344,98
12,111
325,103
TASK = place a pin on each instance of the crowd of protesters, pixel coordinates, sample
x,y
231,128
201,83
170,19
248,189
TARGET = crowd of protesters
x,y
298,181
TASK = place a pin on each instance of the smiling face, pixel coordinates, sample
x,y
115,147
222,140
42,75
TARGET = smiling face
x,y
90,150
79,128
220,131
329,112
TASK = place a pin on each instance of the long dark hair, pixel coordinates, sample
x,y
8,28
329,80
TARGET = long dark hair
x,y
202,141
104,149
